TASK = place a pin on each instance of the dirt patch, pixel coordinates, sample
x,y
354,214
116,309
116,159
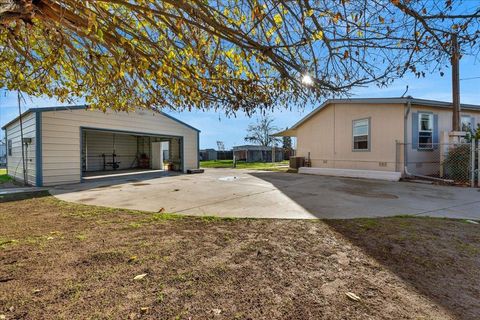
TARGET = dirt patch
x,y
68,261
139,184
438,257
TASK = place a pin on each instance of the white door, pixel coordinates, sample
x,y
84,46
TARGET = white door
x,y
157,155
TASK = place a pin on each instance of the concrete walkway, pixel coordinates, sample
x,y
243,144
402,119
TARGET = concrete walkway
x,y
261,194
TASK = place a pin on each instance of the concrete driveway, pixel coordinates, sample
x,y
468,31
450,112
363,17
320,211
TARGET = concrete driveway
x,y
261,194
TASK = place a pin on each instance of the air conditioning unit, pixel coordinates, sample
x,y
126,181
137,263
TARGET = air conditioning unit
x,y
297,162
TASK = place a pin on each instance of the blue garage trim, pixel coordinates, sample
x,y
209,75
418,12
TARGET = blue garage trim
x,y
182,152
131,132
60,108
81,150
38,150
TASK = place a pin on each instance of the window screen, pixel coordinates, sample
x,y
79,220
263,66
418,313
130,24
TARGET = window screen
x,y
361,131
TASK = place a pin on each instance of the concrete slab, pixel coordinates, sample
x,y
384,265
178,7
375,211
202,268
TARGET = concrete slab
x,y
261,194
24,190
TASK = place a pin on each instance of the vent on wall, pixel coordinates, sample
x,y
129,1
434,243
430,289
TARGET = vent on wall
x,y
382,164
325,161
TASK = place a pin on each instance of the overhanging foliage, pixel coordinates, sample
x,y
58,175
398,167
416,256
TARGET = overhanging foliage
x,y
227,54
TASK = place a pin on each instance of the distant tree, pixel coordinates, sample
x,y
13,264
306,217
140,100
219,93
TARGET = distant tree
x,y
261,132
287,143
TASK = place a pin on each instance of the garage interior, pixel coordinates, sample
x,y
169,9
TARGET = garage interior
x,y
108,153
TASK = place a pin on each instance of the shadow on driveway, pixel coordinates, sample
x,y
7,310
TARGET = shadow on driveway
x,y
340,198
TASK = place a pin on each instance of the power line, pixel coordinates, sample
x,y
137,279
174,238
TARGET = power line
x,y
471,78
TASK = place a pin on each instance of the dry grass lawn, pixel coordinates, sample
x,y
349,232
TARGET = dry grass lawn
x,y
67,261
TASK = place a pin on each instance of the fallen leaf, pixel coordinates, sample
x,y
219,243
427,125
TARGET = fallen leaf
x,y
140,276
132,259
37,290
144,309
161,210
216,311
352,296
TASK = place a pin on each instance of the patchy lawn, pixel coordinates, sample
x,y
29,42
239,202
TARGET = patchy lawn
x,y
68,261
4,177
268,166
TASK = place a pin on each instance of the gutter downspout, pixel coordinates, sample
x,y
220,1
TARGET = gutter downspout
x,y
405,134
427,177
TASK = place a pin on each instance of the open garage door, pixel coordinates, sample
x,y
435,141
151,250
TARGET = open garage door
x,y
107,152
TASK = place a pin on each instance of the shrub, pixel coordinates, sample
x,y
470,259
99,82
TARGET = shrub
x,y
457,163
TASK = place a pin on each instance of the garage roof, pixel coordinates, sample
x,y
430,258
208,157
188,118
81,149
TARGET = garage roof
x,y
79,107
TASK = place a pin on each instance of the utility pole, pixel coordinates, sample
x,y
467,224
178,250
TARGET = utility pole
x,y
455,61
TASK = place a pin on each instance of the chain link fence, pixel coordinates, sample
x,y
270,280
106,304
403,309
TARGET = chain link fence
x,y
456,163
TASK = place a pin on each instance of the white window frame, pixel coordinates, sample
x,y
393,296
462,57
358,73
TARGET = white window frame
x,y
469,122
359,135
430,120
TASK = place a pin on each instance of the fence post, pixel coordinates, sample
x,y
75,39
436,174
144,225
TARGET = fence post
x,y
472,163
478,164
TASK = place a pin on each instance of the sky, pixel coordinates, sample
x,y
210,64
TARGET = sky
x,y
215,126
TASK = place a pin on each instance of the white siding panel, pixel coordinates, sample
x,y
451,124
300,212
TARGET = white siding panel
x,y
61,138
15,163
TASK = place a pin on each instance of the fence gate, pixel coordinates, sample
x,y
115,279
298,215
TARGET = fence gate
x,y
448,162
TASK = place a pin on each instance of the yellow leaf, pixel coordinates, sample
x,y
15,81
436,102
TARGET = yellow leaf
x,y
278,18
318,35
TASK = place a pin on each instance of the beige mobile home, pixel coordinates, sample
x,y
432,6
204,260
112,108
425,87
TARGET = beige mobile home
x,y
65,144
378,134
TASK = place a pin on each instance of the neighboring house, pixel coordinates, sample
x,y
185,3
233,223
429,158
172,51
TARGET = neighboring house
x,y
208,154
363,133
64,144
3,154
253,153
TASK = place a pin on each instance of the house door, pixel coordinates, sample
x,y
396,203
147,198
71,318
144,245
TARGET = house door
x,y
157,155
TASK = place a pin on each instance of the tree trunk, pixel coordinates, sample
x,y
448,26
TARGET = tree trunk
x,y
14,10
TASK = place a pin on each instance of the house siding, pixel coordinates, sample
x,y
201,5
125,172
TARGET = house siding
x,y
61,138
14,162
328,137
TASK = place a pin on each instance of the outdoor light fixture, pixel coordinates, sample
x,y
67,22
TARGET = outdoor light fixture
x,y
307,80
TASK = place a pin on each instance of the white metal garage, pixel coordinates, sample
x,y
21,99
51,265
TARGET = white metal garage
x,y
77,142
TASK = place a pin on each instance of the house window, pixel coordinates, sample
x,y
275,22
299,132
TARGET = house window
x,y
466,124
425,131
361,132
9,147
